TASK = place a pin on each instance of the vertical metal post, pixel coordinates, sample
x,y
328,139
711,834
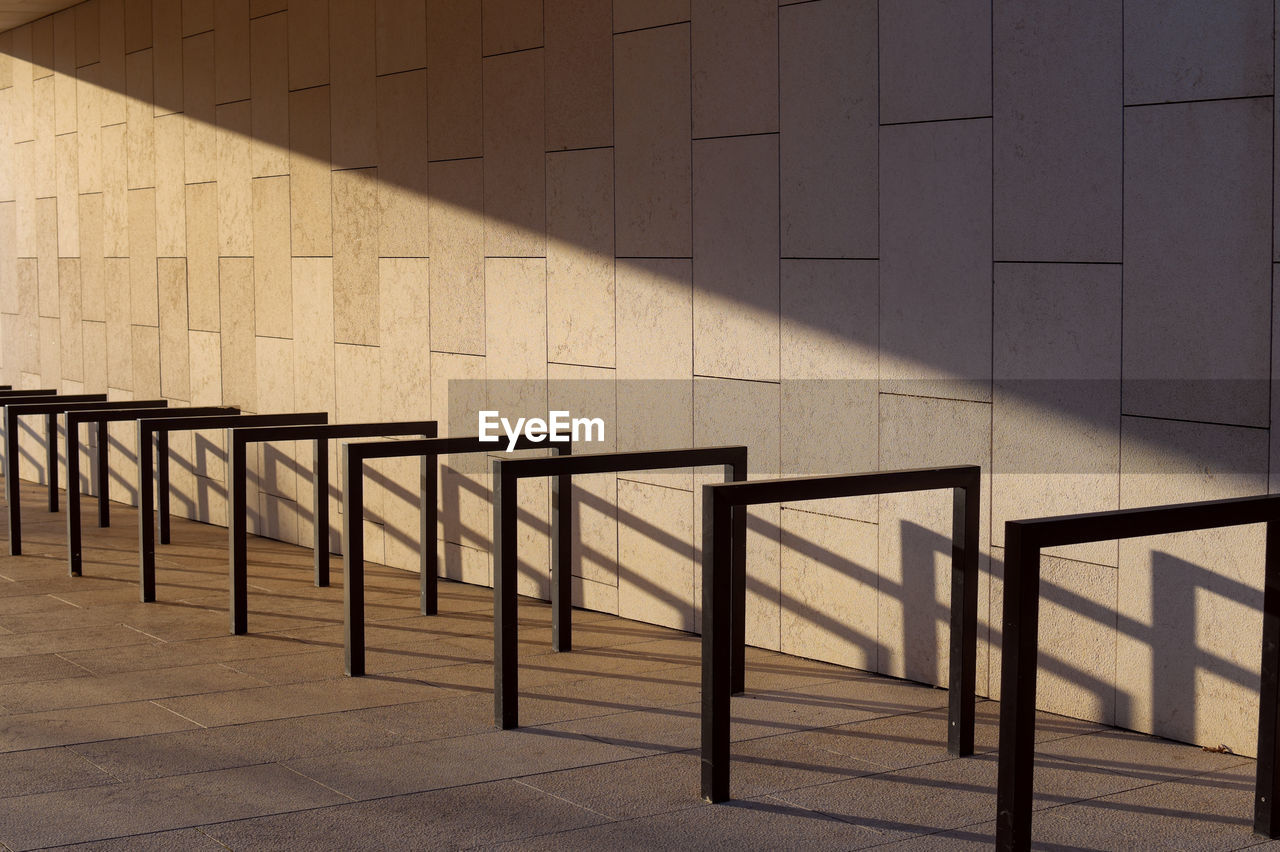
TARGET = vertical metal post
x,y
162,484
506,696
964,619
73,498
320,514
237,532
428,564
738,584
12,493
51,456
1265,812
146,516
353,559
1018,690
104,476
717,644
562,563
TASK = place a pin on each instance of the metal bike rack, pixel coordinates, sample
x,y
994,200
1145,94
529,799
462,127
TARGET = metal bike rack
x,y
719,503
102,418
1024,539
506,476
238,511
148,471
428,451
31,397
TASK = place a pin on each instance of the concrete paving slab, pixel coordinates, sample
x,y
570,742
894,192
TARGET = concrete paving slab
x,y
20,731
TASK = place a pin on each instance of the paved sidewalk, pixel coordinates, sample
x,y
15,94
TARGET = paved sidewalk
x,y
146,726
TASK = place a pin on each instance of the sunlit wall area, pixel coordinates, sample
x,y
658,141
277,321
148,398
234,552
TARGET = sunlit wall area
x,y
850,234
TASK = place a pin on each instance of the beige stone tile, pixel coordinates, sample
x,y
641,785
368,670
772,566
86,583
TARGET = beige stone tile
x,y
829,123
652,157
45,175
111,63
915,533
266,7
68,196
735,240
6,59
115,271
456,243
935,190
272,264
829,364
454,86
655,360
402,170
47,255
276,389
146,361
313,333
9,303
308,43
656,568
8,189
70,316
171,185
511,25
278,518
95,358
514,164
404,299
465,524
1195,182
1056,421
235,188
1190,605
202,255
167,44
580,285
351,88
175,347
239,352
936,60
1078,623
140,127
137,25
401,35
355,256
1056,119
88,32
232,69
309,181
115,193
206,368
23,92
25,198
50,362
828,589
268,46
400,512
42,47
358,400
201,113
64,63
516,324
197,16
26,283
89,130
579,73
735,62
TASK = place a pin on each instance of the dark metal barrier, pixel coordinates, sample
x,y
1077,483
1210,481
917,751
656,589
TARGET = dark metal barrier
x,y
102,417
721,502
238,512
506,475
26,397
428,451
148,471
49,408
1024,540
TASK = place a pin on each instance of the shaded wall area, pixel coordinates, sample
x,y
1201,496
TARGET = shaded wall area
x,y
1037,237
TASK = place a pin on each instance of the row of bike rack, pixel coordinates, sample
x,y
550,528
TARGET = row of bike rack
x,y
723,558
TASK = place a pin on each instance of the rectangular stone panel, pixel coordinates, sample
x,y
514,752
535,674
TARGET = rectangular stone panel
x,y
935,60
515,185
454,87
580,287
579,67
456,243
735,67
402,169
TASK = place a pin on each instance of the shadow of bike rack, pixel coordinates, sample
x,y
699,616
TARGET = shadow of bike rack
x,y
721,502
1024,539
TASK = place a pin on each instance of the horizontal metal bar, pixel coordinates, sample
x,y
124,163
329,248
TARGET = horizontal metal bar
x,y
1148,520
27,409
844,485
15,401
114,415
333,431
624,461
366,450
19,392
229,421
